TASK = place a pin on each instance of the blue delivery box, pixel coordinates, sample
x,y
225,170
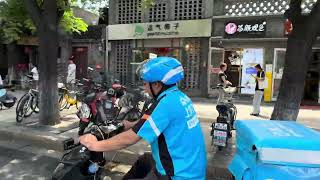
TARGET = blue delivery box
x,y
275,150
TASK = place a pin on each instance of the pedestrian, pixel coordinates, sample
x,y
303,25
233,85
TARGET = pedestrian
x,y
222,76
223,81
35,76
97,75
259,90
71,77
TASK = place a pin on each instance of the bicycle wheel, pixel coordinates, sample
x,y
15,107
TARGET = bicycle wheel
x,y
28,109
63,102
22,108
78,104
35,104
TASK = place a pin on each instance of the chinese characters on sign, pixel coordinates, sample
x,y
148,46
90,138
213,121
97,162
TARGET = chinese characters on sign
x,y
163,29
245,29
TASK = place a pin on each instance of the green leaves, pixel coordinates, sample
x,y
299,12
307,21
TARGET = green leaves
x,y
69,23
146,4
15,21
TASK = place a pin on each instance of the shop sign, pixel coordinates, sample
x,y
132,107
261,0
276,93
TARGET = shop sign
x,y
245,29
169,29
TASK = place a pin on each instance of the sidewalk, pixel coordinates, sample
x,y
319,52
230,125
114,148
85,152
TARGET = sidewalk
x,y
51,137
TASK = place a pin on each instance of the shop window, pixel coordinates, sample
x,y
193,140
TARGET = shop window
x,y
121,61
192,65
188,9
262,7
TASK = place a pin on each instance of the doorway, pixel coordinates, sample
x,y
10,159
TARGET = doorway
x,y
81,60
311,88
216,57
233,58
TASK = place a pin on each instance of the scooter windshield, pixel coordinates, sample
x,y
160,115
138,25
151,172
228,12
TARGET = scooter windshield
x,y
3,92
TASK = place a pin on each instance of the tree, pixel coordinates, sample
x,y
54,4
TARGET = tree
x,y
306,27
92,5
50,20
16,22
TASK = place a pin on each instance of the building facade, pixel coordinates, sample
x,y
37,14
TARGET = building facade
x,y
243,33
249,32
177,28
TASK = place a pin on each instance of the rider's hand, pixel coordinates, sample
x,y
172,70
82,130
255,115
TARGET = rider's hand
x,y
88,140
128,125
229,83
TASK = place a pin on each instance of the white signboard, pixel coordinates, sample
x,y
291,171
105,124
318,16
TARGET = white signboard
x,y
251,57
169,29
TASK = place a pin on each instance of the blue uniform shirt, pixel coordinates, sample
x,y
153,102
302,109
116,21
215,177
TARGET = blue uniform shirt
x,y
176,138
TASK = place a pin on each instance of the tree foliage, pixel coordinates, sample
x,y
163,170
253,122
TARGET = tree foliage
x,y
146,4
16,22
93,6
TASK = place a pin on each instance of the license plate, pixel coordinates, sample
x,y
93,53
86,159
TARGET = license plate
x,y
222,126
219,142
221,134
219,138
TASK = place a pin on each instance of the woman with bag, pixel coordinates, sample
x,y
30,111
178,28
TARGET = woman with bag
x,y
259,90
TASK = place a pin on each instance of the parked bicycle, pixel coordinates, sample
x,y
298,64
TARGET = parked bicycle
x,y
27,104
68,98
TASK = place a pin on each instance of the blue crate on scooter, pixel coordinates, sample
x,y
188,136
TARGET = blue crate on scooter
x,y
275,150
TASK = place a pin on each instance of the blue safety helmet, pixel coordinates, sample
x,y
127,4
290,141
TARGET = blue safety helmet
x,y
167,70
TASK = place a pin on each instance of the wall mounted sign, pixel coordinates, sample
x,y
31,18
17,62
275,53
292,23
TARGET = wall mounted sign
x,y
168,29
288,27
245,29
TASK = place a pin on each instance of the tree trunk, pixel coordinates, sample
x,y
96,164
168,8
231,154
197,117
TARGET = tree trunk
x,y
49,111
48,37
292,84
297,60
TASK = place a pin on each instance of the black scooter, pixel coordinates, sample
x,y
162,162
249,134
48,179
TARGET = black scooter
x,y
6,100
221,130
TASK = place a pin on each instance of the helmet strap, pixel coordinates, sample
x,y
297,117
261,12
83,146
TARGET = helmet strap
x,y
164,87
152,91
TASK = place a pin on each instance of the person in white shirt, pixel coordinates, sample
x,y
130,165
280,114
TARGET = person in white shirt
x,y
35,76
71,78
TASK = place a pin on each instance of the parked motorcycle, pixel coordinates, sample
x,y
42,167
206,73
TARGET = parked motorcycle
x,y
6,100
221,130
80,163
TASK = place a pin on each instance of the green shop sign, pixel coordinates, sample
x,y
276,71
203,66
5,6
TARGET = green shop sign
x,y
169,29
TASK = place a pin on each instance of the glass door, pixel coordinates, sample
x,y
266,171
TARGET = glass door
x,y
278,66
216,57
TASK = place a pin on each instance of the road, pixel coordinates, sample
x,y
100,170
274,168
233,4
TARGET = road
x,y
21,161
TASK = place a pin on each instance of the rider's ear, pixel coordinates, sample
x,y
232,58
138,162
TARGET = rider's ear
x,y
158,85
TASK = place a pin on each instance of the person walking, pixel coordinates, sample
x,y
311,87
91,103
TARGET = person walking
x,y
35,76
71,77
259,90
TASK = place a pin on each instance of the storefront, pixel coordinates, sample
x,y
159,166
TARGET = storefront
x,y
242,42
185,40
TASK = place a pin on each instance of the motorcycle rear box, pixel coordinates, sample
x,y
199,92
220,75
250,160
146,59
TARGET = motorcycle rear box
x,y
275,150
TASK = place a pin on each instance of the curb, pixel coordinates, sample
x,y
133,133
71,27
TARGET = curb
x,y
41,138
